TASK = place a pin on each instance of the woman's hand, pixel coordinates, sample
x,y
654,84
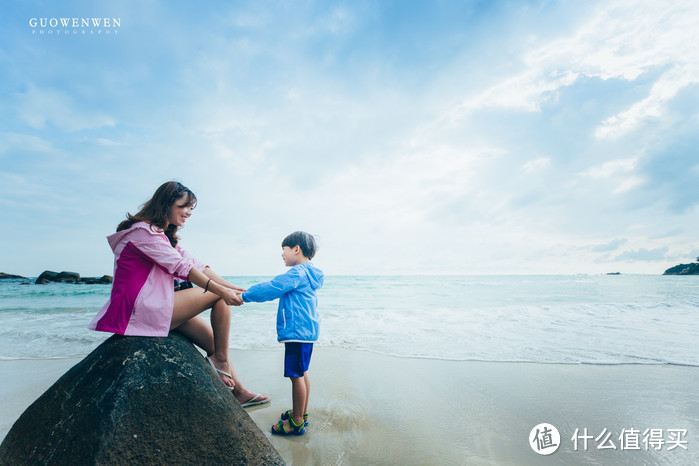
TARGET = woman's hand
x,y
215,284
231,297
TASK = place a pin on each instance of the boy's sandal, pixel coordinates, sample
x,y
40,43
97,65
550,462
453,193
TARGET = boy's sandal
x,y
286,415
279,429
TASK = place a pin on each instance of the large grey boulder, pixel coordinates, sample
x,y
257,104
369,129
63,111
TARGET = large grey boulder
x,y
138,400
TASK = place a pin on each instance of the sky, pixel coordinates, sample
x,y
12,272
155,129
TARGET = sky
x,y
411,137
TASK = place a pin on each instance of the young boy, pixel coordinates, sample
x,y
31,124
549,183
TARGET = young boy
x,y
297,322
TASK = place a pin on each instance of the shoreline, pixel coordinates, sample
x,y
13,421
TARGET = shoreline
x,y
367,408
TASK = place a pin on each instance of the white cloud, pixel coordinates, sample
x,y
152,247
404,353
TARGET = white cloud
x,y
15,142
611,245
339,21
621,173
654,105
609,169
644,254
107,142
525,92
38,107
536,165
629,184
621,40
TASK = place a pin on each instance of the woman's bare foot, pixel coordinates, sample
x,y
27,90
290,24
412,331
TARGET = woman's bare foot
x,y
223,370
247,398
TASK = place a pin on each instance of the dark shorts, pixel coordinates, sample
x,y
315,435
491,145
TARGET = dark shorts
x,y
297,358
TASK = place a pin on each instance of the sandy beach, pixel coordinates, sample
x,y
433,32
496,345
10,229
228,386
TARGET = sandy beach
x,y
373,409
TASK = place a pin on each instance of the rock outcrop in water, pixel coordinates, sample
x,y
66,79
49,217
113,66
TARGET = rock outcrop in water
x,y
60,277
48,276
9,275
138,400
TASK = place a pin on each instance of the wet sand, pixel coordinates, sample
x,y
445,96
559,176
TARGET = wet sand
x,y
372,409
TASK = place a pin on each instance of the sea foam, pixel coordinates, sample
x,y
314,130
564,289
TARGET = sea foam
x,y
634,319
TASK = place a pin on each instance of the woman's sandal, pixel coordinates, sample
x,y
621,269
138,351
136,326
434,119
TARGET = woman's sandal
x,y
279,429
286,415
220,372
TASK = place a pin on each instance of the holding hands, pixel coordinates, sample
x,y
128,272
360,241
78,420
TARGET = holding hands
x,y
212,282
236,292
232,296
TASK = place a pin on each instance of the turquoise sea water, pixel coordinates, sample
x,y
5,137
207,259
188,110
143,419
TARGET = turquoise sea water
x,y
638,319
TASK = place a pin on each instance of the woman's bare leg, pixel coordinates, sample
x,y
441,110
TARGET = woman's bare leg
x,y
212,339
198,332
188,305
221,325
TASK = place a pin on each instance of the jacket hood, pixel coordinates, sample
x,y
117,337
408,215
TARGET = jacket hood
x,y
115,238
315,275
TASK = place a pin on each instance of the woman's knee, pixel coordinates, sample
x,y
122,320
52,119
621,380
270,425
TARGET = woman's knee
x,y
188,305
193,297
221,304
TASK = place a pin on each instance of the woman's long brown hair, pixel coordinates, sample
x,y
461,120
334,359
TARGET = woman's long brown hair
x,y
155,210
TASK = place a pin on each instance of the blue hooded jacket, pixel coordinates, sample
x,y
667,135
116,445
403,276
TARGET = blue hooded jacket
x,y
297,315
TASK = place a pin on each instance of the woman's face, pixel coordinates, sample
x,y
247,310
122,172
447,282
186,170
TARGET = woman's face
x,y
180,211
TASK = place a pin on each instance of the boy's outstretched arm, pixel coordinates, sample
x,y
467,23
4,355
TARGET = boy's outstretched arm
x,y
273,289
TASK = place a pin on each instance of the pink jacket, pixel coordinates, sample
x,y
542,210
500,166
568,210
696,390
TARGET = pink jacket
x,y
143,290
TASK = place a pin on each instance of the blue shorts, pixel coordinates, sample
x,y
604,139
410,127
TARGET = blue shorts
x,y
297,358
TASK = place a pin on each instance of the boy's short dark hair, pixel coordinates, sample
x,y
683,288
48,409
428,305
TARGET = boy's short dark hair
x,y
304,240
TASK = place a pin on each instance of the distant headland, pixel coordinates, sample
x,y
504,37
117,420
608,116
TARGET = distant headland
x,y
684,269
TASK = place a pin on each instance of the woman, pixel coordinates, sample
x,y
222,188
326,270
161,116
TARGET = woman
x,y
147,260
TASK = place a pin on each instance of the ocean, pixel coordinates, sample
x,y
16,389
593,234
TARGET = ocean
x,y
571,319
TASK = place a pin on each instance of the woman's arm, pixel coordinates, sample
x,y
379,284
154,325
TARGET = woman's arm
x,y
210,284
176,261
208,271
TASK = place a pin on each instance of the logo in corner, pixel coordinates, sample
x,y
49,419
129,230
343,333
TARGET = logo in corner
x,y
544,439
